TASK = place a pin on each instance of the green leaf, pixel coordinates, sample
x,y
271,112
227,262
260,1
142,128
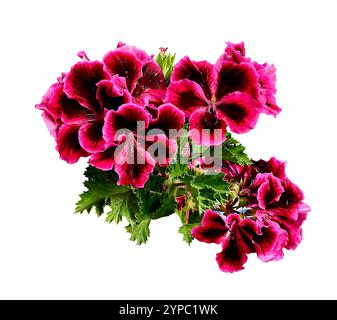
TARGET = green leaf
x,y
139,232
113,216
155,203
208,191
167,206
100,185
123,204
231,150
166,62
185,230
213,181
177,170
234,151
179,164
209,199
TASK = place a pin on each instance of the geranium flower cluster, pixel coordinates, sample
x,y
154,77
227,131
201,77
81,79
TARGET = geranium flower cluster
x,y
231,93
263,215
140,118
92,108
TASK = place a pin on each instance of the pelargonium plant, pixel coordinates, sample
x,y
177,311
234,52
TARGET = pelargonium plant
x,y
159,141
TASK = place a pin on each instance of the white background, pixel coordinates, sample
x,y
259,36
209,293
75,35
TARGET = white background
x,y
48,252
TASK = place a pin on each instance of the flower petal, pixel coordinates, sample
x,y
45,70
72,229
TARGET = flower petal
x,y
232,257
206,128
81,83
269,244
110,95
124,64
90,137
71,111
289,219
139,53
82,54
212,229
235,52
274,166
269,191
151,86
129,117
51,123
239,110
236,77
242,230
267,80
186,95
289,201
46,104
293,229
160,148
201,72
68,144
152,110
168,118
104,160
134,166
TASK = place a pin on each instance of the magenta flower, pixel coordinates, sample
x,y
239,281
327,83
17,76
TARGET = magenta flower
x,y
75,112
271,196
131,134
232,93
144,78
74,108
263,215
239,237
127,113
266,77
215,96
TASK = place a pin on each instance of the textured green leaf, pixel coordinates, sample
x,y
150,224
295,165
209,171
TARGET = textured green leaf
x,y
213,181
100,185
155,203
231,150
185,230
234,151
123,204
208,191
140,232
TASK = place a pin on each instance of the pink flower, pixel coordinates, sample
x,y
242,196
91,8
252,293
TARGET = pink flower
x,y
82,98
239,237
215,96
264,215
129,159
75,107
144,78
74,120
266,77
137,141
271,196
232,93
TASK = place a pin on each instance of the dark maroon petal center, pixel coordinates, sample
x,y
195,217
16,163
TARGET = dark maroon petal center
x,y
236,77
